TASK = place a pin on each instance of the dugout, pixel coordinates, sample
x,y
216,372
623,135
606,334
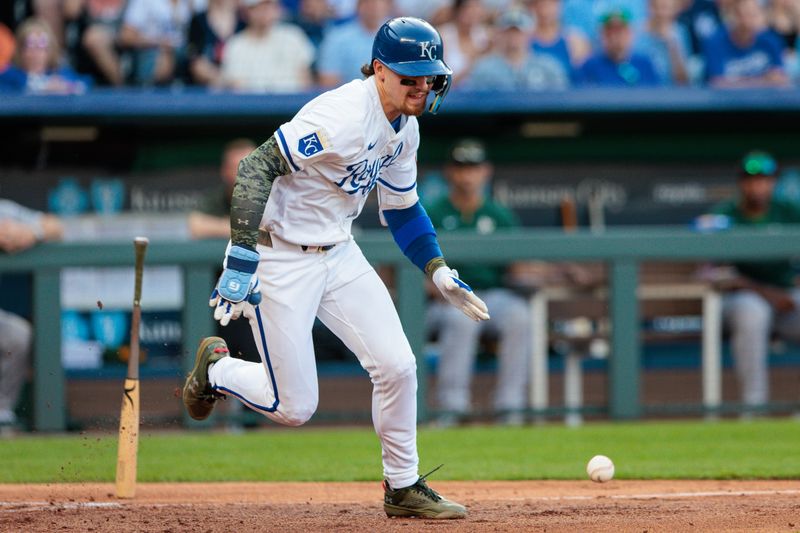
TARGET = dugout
x,y
653,157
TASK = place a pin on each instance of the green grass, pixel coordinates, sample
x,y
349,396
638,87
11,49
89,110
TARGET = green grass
x,y
677,450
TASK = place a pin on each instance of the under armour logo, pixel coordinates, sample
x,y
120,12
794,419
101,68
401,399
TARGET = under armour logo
x,y
427,49
242,222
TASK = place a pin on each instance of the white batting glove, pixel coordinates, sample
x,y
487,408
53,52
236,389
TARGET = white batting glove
x,y
237,286
459,294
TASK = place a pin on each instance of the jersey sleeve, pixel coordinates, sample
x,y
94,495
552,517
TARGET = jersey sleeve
x,y
323,130
397,185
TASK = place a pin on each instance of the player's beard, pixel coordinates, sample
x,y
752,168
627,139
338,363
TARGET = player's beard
x,y
414,107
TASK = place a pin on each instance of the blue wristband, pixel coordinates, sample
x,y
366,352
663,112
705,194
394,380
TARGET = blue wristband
x,y
242,259
241,265
414,234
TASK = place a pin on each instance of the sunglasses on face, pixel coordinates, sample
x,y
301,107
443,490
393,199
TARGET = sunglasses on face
x,y
759,165
411,82
39,41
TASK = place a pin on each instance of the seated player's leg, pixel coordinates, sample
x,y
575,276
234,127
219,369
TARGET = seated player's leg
x,y
511,319
749,318
16,335
458,348
787,325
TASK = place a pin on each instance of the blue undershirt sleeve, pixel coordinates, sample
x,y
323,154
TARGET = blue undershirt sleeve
x,y
413,232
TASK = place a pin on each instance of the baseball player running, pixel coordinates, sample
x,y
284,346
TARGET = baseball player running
x,y
292,256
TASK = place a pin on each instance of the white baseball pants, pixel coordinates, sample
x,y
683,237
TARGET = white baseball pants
x,y
342,289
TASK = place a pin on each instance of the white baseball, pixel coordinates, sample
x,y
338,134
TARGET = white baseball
x,y
600,469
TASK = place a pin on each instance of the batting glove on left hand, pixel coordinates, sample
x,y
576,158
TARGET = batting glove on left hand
x,y
237,285
459,294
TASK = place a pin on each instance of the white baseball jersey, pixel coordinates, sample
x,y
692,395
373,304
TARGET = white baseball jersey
x,y
339,146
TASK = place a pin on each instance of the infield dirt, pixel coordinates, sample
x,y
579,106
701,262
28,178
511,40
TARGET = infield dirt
x,y
559,506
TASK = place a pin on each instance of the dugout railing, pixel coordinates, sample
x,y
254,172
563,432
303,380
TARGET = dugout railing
x,y
621,249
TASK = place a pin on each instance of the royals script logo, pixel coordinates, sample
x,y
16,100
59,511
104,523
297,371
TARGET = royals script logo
x,y
426,49
366,172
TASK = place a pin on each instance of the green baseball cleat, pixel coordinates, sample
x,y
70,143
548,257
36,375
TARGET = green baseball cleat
x,y
419,500
198,397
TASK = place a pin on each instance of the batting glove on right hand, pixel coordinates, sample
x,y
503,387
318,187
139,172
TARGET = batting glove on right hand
x,y
459,294
237,285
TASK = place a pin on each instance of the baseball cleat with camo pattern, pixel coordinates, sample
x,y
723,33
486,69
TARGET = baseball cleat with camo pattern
x,y
198,397
419,500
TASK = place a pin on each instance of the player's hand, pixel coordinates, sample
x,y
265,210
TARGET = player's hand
x,y
15,236
459,294
237,285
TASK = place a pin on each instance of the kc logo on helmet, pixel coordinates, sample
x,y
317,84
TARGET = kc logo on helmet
x,y
427,50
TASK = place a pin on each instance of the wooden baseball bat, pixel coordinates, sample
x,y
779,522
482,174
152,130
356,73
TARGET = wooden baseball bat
x,y
129,414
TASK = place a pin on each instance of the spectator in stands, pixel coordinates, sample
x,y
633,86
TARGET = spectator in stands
x,y
268,55
14,12
513,66
616,64
314,18
343,10
783,18
7,46
550,37
36,67
583,15
209,31
437,12
701,19
20,228
155,32
665,42
467,208
97,23
744,53
50,11
467,37
760,297
348,46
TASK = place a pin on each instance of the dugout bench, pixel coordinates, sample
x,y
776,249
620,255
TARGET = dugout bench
x,y
666,289
622,249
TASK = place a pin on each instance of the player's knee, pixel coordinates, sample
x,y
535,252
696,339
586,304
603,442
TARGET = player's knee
x,y
398,369
298,415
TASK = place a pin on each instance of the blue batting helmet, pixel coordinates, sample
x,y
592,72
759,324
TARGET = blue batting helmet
x,y
412,47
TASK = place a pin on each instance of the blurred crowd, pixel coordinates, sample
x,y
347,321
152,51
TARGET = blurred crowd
x,y
284,46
